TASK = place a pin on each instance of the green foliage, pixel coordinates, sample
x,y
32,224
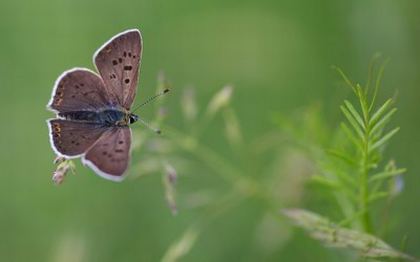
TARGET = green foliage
x,y
333,235
182,149
353,169
182,246
363,176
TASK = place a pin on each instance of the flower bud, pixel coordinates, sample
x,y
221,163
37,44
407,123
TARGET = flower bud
x,y
169,181
188,104
220,100
62,170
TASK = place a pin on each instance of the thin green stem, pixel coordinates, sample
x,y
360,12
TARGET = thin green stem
x,y
224,169
364,194
364,176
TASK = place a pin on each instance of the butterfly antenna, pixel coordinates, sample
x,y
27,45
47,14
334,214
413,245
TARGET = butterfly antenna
x,y
150,99
157,131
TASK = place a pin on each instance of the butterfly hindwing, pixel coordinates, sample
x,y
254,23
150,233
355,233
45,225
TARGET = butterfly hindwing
x,y
79,89
93,110
118,62
110,155
72,139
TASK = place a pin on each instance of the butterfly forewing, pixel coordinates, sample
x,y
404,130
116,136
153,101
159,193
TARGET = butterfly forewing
x,y
79,89
110,155
118,63
89,106
72,139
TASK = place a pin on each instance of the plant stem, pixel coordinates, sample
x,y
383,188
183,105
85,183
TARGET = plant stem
x,y
223,168
364,190
364,196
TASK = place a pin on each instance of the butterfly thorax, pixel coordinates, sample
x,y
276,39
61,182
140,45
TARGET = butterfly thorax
x,y
106,117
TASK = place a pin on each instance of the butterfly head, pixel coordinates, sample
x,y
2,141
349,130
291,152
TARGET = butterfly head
x,y
132,118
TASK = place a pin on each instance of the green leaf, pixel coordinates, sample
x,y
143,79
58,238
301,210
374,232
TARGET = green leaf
x,y
352,121
370,70
379,125
346,179
325,181
342,156
355,114
182,246
351,136
363,102
387,174
377,196
376,116
345,78
384,139
378,83
321,229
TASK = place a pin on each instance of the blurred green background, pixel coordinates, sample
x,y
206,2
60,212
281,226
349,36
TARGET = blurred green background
x,y
277,54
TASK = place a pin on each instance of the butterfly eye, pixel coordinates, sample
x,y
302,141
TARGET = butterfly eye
x,y
133,118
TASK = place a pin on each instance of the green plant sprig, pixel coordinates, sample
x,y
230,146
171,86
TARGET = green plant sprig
x,y
366,129
352,169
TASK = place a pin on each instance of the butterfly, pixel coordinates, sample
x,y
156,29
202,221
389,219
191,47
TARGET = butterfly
x,y
93,109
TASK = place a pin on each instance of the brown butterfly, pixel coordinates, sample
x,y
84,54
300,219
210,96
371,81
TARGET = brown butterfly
x,y
93,110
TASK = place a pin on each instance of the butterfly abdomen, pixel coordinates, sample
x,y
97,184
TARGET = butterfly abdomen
x,y
109,117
